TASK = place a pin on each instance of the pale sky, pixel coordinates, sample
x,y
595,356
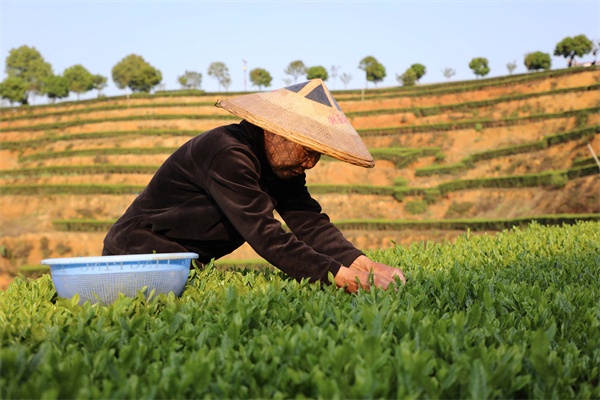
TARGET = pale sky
x,y
175,36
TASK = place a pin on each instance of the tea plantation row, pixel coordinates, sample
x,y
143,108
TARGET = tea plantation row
x,y
514,315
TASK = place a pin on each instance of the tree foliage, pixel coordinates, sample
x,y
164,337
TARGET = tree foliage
x,y
374,71
28,64
296,69
14,89
260,77
408,78
419,69
56,87
99,83
317,72
571,47
79,79
220,72
190,80
537,60
135,73
479,65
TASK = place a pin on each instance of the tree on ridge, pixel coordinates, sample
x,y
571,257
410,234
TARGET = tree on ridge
x,y
296,69
135,73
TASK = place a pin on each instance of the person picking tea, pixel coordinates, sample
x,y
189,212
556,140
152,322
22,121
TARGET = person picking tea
x,y
222,189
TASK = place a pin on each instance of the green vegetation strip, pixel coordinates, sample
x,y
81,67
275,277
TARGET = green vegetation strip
x,y
583,161
510,79
345,95
424,90
458,86
499,224
52,138
352,189
57,112
485,123
97,152
149,117
72,189
418,111
78,170
555,179
399,156
475,123
471,124
435,110
126,98
512,315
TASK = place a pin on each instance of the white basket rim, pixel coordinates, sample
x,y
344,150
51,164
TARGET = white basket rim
x,y
119,258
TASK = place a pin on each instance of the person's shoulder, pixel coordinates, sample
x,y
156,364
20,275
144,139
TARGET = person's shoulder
x,y
227,143
225,134
213,141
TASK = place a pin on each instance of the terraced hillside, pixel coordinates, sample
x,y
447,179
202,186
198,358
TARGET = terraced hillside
x,y
483,154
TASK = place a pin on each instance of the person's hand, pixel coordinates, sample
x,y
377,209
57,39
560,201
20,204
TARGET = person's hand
x,y
362,263
358,275
352,280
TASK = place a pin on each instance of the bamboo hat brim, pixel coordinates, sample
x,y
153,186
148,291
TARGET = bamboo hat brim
x,y
307,114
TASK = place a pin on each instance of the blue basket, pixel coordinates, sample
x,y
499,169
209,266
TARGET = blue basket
x,y
101,279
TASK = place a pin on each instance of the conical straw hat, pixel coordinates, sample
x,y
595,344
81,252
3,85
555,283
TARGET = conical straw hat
x,y
306,114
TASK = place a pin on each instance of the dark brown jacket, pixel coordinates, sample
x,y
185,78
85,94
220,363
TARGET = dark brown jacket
x,y
218,191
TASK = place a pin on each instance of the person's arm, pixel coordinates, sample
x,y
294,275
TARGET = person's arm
x,y
303,215
233,183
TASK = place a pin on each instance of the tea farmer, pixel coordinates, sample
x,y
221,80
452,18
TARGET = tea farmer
x,y
221,188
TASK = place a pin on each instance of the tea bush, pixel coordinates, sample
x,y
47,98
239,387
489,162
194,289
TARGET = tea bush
x,y
513,315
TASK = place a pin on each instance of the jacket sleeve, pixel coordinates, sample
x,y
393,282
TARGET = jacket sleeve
x,y
233,183
303,216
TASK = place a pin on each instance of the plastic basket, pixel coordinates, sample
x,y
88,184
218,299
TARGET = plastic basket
x,y
101,279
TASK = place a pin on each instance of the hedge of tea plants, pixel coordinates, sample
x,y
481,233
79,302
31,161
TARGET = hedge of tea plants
x,y
513,315
471,105
473,224
480,123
